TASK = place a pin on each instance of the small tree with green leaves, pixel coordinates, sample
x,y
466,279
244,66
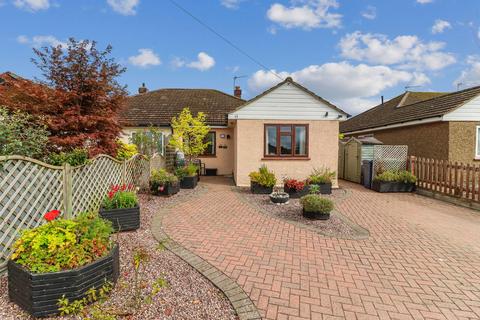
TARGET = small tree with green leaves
x,y
189,134
21,134
148,141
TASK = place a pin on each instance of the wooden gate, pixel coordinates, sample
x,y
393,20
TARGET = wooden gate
x,y
352,162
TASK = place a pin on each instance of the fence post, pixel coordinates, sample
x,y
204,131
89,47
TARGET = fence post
x,y
412,164
124,172
67,190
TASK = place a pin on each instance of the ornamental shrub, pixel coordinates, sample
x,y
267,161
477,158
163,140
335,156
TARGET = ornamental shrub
x,y
161,178
76,157
189,170
63,244
294,184
120,197
396,176
125,151
263,177
321,176
316,203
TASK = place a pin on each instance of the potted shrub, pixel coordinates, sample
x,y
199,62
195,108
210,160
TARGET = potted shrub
x,y
62,258
279,197
295,188
323,178
120,206
188,176
262,181
163,183
394,181
316,207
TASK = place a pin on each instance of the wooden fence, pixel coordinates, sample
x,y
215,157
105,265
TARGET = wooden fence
x,y
29,188
461,180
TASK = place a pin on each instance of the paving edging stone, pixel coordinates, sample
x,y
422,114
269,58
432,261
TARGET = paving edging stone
x,y
240,301
360,232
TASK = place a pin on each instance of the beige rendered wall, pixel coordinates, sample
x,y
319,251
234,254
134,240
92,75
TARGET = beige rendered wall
x,y
127,132
223,160
462,141
249,135
426,140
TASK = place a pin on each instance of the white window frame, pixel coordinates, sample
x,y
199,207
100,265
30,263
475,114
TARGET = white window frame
x,y
477,151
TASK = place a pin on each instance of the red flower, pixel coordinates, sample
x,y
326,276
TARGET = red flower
x,y
161,188
51,215
131,187
294,184
111,194
124,187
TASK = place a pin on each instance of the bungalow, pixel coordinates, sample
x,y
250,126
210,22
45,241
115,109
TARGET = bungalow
x,y
443,126
288,128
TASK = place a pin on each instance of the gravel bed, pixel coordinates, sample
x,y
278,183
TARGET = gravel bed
x,y
188,295
337,226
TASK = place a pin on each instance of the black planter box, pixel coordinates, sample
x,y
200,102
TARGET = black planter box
x,y
259,189
384,187
325,188
189,182
38,293
316,215
210,172
168,189
122,219
281,200
294,194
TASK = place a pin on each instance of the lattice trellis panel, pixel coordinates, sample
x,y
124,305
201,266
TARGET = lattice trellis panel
x,y
137,171
90,183
28,189
389,157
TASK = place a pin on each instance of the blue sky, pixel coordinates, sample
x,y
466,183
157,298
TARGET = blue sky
x,y
349,52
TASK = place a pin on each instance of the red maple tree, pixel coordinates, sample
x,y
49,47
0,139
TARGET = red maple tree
x,y
79,98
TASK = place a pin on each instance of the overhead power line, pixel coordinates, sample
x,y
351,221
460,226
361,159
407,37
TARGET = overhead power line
x,y
218,34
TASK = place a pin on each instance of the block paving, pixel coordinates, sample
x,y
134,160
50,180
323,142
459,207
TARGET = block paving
x,y
421,261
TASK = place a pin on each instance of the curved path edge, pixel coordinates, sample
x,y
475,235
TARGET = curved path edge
x,y
243,306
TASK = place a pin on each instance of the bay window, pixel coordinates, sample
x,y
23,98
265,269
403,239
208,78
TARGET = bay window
x,y
286,140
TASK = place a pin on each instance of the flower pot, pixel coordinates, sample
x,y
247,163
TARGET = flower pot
x,y
122,219
316,215
280,198
325,188
38,293
392,186
257,188
189,182
168,189
294,193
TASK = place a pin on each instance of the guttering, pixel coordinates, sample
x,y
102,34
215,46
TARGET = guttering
x,y
397,125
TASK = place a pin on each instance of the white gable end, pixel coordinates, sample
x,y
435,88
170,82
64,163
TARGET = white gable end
x,y
287,102
470,111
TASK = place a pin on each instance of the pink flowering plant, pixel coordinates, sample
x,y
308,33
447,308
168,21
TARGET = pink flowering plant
x,y
120,197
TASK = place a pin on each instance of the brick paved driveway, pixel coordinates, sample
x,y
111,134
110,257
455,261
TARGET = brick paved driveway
x,y
422,260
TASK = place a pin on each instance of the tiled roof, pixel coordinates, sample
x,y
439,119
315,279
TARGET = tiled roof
x,y
409,106
158,107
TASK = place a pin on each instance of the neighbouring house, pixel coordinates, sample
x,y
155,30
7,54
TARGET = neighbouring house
x,y
288,128
443,126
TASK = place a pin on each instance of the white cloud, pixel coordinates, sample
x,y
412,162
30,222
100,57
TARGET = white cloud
x,y
404,51
370,13
41,41
177,62
440,26
471,76
125,7
424,1
306,14
145,58
231,4
350,87
204,62
32,5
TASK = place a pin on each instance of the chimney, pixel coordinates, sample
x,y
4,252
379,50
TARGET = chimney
x,y
237,92
142,89
382,99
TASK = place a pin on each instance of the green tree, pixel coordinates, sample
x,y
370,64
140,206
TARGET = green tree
x,y
148,141
189,134
21,135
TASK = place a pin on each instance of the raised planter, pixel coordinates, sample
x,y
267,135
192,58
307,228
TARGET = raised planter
x,y
122,219
279,198
316,215
38,293
294,194
259,189
384,186
189,182
168,190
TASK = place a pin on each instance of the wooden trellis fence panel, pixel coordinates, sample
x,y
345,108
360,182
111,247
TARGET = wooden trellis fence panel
x,y
29,188
389,157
